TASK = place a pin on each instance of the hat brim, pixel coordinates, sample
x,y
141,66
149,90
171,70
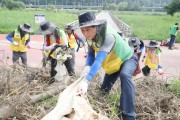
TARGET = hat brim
x,y
49,30
152,46
92,23
25,29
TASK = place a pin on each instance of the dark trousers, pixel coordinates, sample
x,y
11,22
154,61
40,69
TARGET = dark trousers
x,y
53,65
17,55
172,40
127,98
70,63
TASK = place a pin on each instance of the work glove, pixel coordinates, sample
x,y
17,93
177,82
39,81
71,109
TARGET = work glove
x,y
160,71
85,71
15,43
82,89
28,46
48,47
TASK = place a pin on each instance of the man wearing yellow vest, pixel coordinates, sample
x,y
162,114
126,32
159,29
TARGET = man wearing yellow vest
x,y
108,50
52,37
73,38
20,39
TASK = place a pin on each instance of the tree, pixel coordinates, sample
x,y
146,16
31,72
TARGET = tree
x,y
123,5
173,7
13,5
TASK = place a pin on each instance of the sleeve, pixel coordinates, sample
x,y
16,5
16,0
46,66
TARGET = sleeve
x,y
10,36
90,58
96,65
108,43
64,38
78,38
158,52
141,45
27,41
177,28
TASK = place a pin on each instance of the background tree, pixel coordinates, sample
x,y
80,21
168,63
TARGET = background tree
x,y
122,5
173,7
13,5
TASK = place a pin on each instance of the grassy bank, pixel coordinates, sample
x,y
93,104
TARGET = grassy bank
x,y
145,25
149,25
9,20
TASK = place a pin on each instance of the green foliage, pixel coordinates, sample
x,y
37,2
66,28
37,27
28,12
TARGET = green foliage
x,y
13,5
50,101
11,19
173,7
51,7
113,6
149,25
105,6
122,5
176,87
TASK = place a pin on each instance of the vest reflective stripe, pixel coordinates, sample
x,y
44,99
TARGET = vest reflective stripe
x,y
21,42
173,30
151,59
71,41
117,56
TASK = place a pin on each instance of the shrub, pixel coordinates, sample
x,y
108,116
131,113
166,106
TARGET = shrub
x,y
13,5
176,87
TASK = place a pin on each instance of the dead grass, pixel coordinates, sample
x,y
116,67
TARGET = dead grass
x,y
19,84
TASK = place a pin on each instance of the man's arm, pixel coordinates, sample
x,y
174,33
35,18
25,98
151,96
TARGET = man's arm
x,y
64,37
106,47
10,36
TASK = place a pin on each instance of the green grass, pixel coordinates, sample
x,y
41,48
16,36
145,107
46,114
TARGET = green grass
x,y
145,25
149,25
176,88
9,20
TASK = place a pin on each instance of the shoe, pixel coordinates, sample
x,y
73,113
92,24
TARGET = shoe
x,y
170,48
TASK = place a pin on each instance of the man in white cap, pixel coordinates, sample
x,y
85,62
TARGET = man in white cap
x,y
52,36
108,50
20,39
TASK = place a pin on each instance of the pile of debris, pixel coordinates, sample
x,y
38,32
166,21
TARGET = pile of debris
x,y
154,100
22,88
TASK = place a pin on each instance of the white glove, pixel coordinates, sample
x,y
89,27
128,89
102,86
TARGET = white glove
x,y
82,89
160,71
15,43
85,71
49,47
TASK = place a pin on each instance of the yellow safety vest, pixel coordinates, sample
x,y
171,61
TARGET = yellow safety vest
x,y
151,59
71,41
53,55
117,56
21,42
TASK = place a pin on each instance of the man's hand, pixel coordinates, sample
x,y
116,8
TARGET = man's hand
x,y
15,43
82,90
160,71
85,71
28,46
